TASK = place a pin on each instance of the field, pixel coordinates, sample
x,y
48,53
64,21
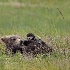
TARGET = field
x,y
48,19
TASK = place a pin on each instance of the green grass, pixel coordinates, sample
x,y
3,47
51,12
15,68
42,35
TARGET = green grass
x,y
56,61
39,20
46,22
27,19
19,63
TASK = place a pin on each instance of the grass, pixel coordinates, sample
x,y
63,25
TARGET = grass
x,y
51,21
20,20
47,20
48,63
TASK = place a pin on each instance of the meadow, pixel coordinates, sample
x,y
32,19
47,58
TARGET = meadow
x,y
48,19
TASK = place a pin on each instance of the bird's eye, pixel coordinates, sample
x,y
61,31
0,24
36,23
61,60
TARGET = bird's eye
x,y
14,39
29,38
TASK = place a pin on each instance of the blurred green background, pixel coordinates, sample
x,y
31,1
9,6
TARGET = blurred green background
x,y
48,17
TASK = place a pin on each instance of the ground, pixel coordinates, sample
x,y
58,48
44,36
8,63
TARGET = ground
x,y
48,19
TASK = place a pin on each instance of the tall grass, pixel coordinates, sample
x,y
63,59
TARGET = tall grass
x,y
37,20
48,63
